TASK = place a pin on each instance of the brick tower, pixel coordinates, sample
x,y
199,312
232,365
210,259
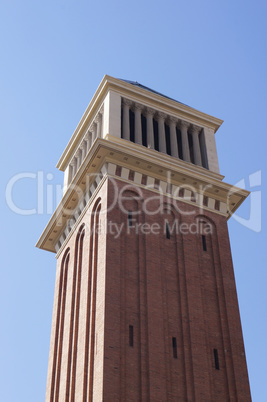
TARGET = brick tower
x,y
145,305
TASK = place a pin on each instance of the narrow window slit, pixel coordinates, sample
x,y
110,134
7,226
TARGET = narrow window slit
x,y
132,128
122,123
216,359
130,218
168,234
131,340
167,139
204,243
174,348
144,130
156,134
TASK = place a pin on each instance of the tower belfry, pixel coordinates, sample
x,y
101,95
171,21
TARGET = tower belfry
x,y
145,305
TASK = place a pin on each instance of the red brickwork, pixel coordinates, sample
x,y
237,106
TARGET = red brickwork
x,y
143,313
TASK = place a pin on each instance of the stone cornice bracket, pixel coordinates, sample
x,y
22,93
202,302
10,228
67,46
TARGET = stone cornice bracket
x,y
101,110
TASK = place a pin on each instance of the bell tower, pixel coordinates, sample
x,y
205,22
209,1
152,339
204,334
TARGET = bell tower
x,y
145,305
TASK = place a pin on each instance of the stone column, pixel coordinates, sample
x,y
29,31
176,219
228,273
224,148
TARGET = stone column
x,y
74,165
173,137
149,128
185,145
87,139
78,160
137,123
196,146
162,136
126,120
80,156
93,131
72,170
98,125
83,148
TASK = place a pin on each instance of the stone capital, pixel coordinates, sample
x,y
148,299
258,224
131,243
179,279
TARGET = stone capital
x,y
138,106
92,127
195,129
86,137
83,144
172,119
161,116
183,123
150,111
127,102
98,118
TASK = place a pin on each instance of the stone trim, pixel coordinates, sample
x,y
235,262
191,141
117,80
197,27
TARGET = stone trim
x,y
164,187
168,189
80,210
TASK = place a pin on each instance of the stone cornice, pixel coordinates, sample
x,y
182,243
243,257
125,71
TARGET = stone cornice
x,y
143,161
163,103
135,94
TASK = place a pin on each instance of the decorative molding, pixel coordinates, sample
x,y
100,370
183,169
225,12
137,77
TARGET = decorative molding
x,y
92,127
161,116
150,111
135,94
172,120
183,123
104,157
195,129
127,102
98,118
138,106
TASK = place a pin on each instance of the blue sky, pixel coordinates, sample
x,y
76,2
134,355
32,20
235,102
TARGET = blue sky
x,y
210,55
